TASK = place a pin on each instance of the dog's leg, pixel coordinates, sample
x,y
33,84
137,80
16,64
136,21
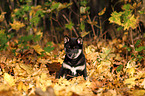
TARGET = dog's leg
x,y
61,73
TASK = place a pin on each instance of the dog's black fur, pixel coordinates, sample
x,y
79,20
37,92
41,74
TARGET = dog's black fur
x,y
74,63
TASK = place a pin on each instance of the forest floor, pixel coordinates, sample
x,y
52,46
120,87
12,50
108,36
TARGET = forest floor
x,y
110,72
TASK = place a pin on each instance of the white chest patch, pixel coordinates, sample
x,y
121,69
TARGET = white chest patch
x,y
74,69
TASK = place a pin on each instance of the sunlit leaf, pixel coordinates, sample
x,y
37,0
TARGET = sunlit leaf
x,y
82,9
20,86
83,34
131,71
9,79
143,83
138,92
27,68
130,82
2,16
115,18
131,23
102,12
17,25
38,49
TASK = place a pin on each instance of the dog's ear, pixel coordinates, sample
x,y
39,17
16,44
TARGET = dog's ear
x,y
66,39
80,40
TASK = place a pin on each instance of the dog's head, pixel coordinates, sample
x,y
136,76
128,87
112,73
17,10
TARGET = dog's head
x,y
73,47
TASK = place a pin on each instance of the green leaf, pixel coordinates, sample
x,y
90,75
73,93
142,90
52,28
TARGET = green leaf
x,y
119,68
119,28
137,42
140,57
125,46
36,38
69,25
83,3
26,8
26,38
140,48
84,33
124,18
141,12
82,26
115,18
49,43
107,51
126,7
128,49
54,5
49,48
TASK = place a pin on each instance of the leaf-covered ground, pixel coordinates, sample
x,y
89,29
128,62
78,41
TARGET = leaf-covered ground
x,y
109,73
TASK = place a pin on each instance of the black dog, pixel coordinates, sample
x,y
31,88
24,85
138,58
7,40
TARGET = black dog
x,y
74,63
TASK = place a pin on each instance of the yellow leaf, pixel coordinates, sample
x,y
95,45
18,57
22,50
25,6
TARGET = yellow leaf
x,y
15,10
27,68
59,60
44,76
143,83
19,71
9,79
130,82
82,10
83,34
131,71
40,33
138,92
131,23
2,16
17,25
125,36
20,85
120,45
38,49
25,87
102,12
104,66
131,64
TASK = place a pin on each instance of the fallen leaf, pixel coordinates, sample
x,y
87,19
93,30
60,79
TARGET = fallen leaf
x,y
130,82
38,49
9,79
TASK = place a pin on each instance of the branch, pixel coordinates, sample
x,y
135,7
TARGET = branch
x,y
72,26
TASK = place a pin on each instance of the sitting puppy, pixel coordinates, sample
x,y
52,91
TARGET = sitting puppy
x,y
74,63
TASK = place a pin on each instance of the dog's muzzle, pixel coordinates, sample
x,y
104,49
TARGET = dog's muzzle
x,y
73,54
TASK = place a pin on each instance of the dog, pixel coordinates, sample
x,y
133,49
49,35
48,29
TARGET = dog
x,y
74,63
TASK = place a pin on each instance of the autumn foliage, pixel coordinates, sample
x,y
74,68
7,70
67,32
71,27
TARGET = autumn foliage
x,y
32,51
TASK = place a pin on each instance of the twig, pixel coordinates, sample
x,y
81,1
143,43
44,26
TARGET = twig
x,y
92,28
131,37
53,31
9,5
72,26
57,22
